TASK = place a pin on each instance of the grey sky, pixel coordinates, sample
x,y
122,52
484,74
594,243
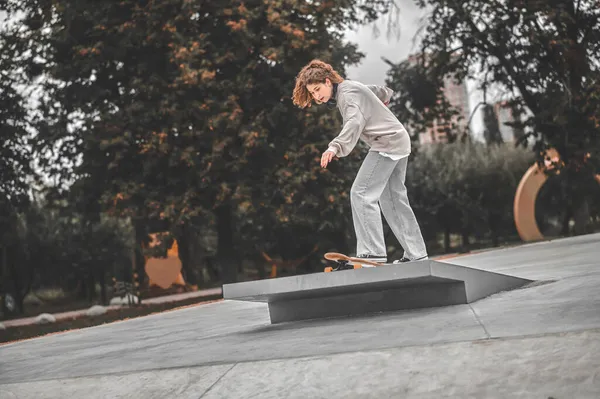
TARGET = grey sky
x,y
372,69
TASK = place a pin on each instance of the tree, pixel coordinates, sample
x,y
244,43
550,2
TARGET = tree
x,y
467,189
544,58
172,109
15,168
419,100
544,55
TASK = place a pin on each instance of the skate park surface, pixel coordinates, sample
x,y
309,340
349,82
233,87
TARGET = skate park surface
x,y
539,341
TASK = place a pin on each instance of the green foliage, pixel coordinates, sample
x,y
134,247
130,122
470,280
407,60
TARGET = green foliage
x,y
176,115
419,98
15,154
466,188
544,56
55,246
181,103
169,111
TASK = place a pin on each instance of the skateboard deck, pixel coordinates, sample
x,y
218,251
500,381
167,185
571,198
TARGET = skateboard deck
x,y
345,262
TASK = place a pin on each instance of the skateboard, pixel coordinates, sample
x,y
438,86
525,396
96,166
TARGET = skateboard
x,y
345,262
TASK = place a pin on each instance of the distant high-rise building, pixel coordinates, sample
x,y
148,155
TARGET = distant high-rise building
x,y
458,96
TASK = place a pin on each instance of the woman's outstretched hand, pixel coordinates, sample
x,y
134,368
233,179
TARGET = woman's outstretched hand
x,y
327,157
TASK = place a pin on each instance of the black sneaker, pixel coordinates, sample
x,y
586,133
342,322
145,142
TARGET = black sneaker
x,y
373,258
342,266
404,259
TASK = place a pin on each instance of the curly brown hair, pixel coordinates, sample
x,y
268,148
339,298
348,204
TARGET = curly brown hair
x,y
315,71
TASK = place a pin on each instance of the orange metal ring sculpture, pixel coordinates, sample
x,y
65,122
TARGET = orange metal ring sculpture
x,y
524,204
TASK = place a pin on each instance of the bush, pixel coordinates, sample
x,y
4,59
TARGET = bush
x,y
466,189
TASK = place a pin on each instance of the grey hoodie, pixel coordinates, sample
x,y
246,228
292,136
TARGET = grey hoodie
x,y
365,116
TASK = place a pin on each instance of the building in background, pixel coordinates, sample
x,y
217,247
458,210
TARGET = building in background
x,y
458,96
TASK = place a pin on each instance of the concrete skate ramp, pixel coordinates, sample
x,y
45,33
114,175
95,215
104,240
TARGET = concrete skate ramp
x,y
422,284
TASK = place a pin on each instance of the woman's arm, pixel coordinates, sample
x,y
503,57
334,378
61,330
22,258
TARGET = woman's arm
x,y
382,92
354,123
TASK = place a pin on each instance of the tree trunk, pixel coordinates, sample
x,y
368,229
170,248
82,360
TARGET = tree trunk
x,y
348,236
10,290
259,261
18,290
199,263
465,240
581,217
91,287
103,294
493,229
139,260
446,240
187,261
565,222
225,249
495,240
4,273
3,280
81,288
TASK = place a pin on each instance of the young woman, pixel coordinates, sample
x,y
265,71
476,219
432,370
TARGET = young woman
x,y
380,179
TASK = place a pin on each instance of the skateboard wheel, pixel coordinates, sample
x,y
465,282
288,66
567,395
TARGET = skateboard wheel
x,y
328,269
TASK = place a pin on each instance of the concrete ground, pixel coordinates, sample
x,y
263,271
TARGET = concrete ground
x,y
541,341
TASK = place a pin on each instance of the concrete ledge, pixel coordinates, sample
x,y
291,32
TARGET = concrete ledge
x,y
385,288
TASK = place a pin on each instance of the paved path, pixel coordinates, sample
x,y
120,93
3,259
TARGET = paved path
x,y
25,321
538,342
